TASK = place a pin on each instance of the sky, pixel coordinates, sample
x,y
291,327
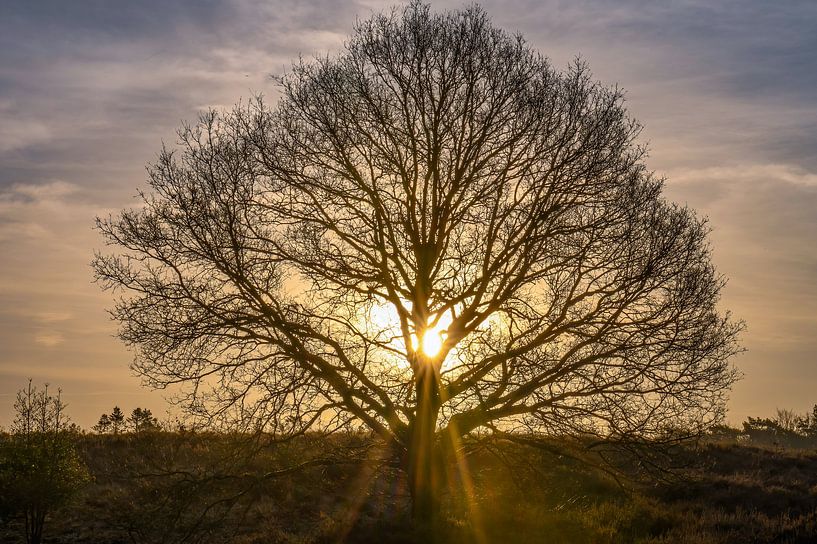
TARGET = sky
x,y
89,90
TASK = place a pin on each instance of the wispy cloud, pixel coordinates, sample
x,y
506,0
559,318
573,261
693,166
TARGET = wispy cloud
x,y
49,339
18,132
52,317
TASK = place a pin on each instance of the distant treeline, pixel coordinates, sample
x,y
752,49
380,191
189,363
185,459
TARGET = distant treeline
x,y
785,429
140,420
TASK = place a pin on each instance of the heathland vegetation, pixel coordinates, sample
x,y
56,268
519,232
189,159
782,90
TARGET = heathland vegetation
x,y
144,482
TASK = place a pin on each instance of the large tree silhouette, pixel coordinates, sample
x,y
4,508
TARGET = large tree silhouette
x,y
433,232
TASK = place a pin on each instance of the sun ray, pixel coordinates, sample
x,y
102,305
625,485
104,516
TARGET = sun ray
x,y
468,490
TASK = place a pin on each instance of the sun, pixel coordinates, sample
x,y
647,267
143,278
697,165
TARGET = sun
x,y
434,336
432,342
382,318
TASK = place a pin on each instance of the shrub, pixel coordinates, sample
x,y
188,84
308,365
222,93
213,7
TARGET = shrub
x,y
40,469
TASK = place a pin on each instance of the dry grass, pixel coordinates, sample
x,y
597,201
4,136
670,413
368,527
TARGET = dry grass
x,y
729,493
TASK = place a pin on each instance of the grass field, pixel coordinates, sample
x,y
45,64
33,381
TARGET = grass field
x,y
167,487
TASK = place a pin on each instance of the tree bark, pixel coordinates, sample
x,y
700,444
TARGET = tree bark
x,y
426,467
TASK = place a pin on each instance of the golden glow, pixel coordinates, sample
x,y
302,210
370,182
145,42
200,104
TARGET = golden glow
x,y
381,320
432,342
434,336
384,317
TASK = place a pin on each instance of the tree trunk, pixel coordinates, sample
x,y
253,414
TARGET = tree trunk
x,y
425,464
35,520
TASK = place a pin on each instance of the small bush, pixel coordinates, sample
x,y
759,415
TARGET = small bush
x,y
40,468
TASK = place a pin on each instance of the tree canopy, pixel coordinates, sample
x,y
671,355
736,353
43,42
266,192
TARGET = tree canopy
x,y
433,225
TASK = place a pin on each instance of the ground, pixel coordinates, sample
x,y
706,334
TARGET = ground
x,y
171,487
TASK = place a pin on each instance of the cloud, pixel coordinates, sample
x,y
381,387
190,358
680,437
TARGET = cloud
x,y
711,80
17,131
37,193
49,339
53,317
782,173
37,213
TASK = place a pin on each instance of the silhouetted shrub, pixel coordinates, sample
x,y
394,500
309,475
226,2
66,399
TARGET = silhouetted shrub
x,y
40,469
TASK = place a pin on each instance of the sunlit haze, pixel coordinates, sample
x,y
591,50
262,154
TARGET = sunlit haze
x,y
433,337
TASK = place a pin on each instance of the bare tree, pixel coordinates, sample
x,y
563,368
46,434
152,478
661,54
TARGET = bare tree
x,y
40,468
433,233
38,412
789,420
